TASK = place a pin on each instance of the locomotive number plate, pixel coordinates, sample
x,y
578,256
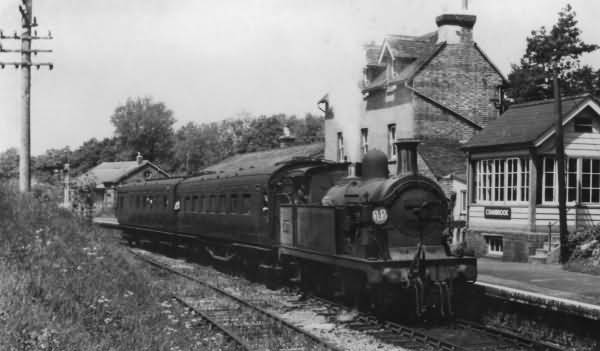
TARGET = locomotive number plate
x,y
379,215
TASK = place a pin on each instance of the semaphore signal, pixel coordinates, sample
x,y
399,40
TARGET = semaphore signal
x,y
26,37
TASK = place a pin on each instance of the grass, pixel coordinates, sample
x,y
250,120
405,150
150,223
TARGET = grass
x,y
68,285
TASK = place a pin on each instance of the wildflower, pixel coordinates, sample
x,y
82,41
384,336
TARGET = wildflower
x,y
107,320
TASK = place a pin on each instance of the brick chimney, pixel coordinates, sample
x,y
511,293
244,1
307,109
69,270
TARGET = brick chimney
x,y
456,28
406,153
139,158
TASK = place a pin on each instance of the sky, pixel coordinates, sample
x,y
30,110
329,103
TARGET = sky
x,y
211,60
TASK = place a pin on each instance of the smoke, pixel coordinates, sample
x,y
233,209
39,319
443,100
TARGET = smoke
x,y
345,98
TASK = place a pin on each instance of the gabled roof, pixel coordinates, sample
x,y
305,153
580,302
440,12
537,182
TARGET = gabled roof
x,y
409,72
443,157
524,123
113,172
266,159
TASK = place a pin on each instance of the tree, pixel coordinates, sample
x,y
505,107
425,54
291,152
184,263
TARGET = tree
x,y
144,126
558,50
9,164
48,166
92,152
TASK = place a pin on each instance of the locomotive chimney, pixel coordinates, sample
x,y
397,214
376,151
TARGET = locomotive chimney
x,y
406,151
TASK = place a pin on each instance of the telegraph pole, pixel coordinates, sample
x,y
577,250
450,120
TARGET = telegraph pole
x,y
28,22
560,160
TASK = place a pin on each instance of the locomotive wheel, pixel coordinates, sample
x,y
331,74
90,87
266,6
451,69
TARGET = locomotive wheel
x,y
392,303
316,279
353,289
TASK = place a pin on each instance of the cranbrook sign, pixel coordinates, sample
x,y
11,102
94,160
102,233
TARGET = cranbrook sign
x,y
496,212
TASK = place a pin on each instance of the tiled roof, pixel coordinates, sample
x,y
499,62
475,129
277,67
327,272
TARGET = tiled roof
x,y
372,53
444,157
523,123
410,70
410,47
268,158
113,172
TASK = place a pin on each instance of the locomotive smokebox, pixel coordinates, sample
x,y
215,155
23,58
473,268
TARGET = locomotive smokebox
x,y
406,151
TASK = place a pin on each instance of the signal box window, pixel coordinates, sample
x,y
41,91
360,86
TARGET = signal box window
x,y
583,125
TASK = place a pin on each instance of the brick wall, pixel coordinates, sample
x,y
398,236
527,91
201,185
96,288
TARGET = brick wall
x,y
458,77
433,122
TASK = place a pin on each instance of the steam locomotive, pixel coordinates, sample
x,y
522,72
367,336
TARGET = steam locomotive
x,y
368,237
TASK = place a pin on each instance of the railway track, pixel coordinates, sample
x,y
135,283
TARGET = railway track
x,y
457,335
247,325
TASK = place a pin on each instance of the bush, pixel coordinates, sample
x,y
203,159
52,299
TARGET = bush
x,y
475,244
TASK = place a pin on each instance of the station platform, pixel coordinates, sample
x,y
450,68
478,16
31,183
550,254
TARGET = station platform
x,y
547,286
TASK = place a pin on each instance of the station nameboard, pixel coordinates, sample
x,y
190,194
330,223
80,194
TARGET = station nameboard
x,y
496,212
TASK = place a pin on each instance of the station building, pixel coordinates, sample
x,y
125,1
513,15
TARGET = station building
x,y
439,87
108,175
512,176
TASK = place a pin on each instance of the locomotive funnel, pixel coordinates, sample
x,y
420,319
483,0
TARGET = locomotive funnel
x,y
406,151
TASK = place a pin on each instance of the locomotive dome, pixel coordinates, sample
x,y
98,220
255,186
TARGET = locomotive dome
x,y
375,165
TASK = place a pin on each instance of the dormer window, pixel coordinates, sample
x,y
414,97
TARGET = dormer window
x,y
583,124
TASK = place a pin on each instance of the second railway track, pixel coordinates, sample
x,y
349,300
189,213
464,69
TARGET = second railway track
x,y
247,325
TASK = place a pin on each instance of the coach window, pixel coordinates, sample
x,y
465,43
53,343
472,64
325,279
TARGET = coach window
x,y
212,203
194,203
222,203
165,202
246,201
186,204
200,203
235,207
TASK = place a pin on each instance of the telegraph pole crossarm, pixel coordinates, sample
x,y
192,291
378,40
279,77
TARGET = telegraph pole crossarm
x,y
28,21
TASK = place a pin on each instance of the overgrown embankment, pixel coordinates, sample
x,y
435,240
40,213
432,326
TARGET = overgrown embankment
x,y
585,251
67,285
